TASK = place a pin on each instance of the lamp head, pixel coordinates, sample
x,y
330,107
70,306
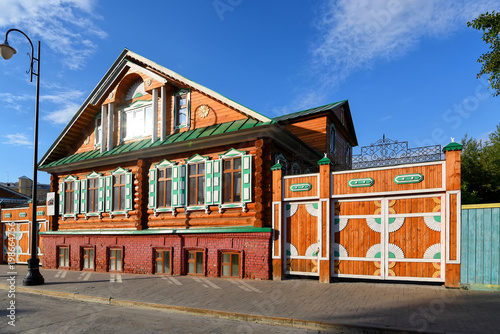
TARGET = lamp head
x,y
7,51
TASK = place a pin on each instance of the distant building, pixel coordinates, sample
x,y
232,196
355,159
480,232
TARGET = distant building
x,y
10,198
24,187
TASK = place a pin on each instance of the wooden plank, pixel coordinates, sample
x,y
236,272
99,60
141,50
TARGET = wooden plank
x,y
487,246
464,273
479,247
495,246
472,246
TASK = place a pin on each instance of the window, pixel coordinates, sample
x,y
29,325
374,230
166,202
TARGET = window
x,y
333,132
93,195
69,197
230,265
115,259
163,262
195,262
231,180
69,190
64,257
137,122
348,154
182,109
196,183
98,128
88,258
164,192
119,192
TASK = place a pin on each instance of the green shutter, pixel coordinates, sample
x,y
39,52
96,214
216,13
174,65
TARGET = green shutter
x,y
247,178
152,188
61,198
209,172
76,185
217,180
83,196
182,185
175,186
129,181
102,195
108,186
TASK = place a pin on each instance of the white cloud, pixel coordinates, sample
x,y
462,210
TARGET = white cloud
x,y
66,26
18,139
64,102
12,101
62,116
354,34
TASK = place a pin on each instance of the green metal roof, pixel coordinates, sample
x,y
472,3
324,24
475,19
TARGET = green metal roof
x,y
308,111
173,138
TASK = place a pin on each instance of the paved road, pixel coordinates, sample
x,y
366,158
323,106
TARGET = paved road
x,y
347,305
42,314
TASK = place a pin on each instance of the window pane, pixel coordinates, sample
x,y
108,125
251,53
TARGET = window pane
x,y
168,193
149,121
199,262
192,169
237,187
122,197
225,258
112,257
183,116
86,259
192,191
159,268
168,173
226,187
91,259
227,164
235,265
116,198
225,270
201,190
201,168
166,262
161,193
237,163
182,101
118,259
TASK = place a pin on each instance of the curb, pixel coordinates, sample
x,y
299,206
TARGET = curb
x,y
261,319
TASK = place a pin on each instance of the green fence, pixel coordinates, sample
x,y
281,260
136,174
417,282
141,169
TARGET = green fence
x,y
480,246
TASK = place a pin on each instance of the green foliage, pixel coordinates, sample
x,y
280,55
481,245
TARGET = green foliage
x,y
481,169
490,25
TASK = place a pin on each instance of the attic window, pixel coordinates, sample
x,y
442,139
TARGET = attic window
x,y
137,120
182,109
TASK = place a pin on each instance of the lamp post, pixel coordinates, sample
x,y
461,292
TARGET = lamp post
x,y
34,277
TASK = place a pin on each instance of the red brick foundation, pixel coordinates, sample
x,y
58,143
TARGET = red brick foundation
x,y
138,251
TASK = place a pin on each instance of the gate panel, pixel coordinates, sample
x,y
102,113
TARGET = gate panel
x,y
389,238
354,241
302,247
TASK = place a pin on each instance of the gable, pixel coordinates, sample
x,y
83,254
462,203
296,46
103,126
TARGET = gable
x,y
123,82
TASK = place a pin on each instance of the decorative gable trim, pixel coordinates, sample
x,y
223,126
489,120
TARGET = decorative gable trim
x,y
231,153
196,158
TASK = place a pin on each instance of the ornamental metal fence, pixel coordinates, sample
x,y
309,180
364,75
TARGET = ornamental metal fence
x,y
387,152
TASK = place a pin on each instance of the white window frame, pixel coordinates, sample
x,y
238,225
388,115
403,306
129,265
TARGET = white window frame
x,y
62,197
138,106
153,187
177,96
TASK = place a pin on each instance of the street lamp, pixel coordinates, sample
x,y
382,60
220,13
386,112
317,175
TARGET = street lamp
x,y
6,51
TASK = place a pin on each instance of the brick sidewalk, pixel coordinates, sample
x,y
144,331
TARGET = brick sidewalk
x,y
353,306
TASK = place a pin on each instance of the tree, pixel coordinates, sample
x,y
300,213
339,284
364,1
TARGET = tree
x,y
481,169
490,25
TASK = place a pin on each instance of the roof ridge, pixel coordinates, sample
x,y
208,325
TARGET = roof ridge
x,y
306,110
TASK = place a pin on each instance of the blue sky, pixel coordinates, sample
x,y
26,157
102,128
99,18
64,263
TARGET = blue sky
x,y
408,68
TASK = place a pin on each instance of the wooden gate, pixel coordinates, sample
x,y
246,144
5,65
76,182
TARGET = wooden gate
x,y
389,238
302,244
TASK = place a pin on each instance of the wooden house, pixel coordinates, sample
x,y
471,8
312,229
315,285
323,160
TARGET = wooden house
x,y
158,174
